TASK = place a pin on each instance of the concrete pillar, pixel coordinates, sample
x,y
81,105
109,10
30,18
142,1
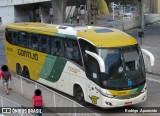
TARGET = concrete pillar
x,y
59,11
158,6
89,12
142,14
154,6
44,14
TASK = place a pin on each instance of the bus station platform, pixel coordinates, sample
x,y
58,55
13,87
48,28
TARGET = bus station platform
x,y
21,93
19,99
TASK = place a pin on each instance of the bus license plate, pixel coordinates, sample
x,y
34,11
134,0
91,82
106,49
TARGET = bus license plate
x,y
127,103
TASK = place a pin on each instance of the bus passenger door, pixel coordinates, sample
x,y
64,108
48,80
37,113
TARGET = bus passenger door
x,y
94,81
89,90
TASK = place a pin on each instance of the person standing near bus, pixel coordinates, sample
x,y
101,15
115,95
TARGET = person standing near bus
x,y
5,76
37,102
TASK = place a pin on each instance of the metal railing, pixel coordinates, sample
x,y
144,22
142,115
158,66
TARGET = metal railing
x,y
7,105
52,100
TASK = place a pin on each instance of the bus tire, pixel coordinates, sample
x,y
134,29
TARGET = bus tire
x,y
79,95
26,73
18,69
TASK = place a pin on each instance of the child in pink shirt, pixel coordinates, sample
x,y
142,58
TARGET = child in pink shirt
x,y
37,102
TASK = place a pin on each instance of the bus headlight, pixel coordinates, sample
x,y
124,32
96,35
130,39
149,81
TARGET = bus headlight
x,y
104,94
109,104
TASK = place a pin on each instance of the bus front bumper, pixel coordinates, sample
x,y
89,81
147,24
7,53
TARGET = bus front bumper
x,y
114,102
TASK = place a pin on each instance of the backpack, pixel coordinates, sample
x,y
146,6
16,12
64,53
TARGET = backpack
x,y
6,75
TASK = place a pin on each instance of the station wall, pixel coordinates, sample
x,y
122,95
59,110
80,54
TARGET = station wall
x,y
18,2
21,15
131,23
7,15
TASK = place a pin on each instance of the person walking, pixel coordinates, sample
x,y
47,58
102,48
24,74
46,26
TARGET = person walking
x,y
77,19
37,102
71,20
5,76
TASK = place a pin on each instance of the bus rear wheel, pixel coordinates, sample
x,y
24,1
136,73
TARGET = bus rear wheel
x,y
18,69
79,95
26,73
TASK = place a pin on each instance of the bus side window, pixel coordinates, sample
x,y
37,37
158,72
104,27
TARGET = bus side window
x,y
53,46
26,40
34,41
68,49
20,40
11,36
24,37
8,36
15,38
72,51
57,46
60,47
85,45
48,51
94,71
75,52
43,43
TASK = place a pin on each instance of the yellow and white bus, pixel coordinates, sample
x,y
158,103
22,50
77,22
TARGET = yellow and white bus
x,y
98,65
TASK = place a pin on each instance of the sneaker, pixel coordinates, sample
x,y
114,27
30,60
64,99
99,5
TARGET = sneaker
x,y
7,93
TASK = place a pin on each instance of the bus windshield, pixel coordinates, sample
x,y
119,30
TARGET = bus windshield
x,y
124,67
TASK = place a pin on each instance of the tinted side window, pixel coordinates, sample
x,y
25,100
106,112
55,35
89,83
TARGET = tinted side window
x,y
94,71
25,39
33,42
44,44
11,36
57,46
72,51
84,45
22,39
8,35
15,37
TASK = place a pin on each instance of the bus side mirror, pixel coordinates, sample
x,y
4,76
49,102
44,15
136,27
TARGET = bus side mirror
x,y
149,60
98,58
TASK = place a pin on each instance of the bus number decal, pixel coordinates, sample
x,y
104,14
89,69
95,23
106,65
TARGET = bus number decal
x,y
28,54
10,49
94,99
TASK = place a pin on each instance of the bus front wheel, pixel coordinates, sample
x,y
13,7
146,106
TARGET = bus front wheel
x,y
79,95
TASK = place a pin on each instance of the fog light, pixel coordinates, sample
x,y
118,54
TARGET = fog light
x,y
108,103
144,98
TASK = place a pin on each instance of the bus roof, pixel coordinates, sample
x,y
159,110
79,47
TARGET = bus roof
x,y
98,36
